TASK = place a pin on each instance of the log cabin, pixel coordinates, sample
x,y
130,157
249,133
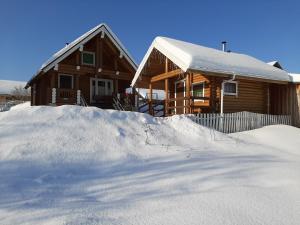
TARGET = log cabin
x,y
295,98
90,70
198,79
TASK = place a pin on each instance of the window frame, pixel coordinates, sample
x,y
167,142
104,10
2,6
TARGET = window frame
x,y
192,90
88,64
69,75
230,93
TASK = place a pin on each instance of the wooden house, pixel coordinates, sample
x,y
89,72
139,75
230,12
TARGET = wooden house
x,y
91,70
198,79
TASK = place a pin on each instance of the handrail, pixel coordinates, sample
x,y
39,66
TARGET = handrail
x,y
82,101
117,104
188,98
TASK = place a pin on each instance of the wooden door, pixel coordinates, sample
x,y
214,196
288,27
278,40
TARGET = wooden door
x,y
101,89
180,94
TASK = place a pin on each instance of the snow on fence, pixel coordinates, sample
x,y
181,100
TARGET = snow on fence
x,y
241,121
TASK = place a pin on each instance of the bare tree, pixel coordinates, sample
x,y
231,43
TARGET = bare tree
x,y
20,93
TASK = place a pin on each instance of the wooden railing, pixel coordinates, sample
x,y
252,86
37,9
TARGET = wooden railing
x,y
65,93
240,121
187,106
62,96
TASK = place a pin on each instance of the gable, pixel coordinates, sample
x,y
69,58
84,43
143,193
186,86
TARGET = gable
x,y
66,54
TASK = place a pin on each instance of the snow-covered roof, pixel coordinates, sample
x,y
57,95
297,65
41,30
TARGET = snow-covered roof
x,y
276,64
190,56
7,86
272,63
75,45
295,77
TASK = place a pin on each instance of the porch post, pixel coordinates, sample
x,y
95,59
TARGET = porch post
x,y
150,99
166,88
52,85
78,97
53,101
188,93
166,97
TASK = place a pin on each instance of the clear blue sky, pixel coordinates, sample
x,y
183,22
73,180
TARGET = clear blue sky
x,y
31,31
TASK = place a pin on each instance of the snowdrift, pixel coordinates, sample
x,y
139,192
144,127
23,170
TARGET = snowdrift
x,y
78,165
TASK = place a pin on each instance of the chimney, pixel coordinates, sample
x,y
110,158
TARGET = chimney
x,y
67,43
224,46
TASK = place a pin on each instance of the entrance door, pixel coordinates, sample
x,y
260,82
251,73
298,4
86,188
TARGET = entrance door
x,y
180,93
100,89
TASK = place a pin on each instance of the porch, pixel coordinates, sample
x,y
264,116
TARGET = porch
x,y
102,91
182,94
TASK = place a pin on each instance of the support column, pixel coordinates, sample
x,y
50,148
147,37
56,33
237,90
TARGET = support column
x,y
53,101
166,88
166,97
188,94
150,99
77,82
116,87
78,97
52,85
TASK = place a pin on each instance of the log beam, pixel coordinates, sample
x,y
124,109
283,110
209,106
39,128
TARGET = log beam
x,y
166,75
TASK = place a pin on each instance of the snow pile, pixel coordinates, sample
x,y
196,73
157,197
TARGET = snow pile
x,y
21,106
76,165
7,86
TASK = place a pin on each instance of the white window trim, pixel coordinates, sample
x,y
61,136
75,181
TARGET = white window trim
x,y
201,82
229,93
88,64
62,74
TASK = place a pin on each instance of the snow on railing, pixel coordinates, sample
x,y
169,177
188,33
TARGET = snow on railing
x,y
240,121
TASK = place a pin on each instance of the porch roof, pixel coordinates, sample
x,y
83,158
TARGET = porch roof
x,y
190,56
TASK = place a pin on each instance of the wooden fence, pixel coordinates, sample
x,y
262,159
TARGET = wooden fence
x,y
241,121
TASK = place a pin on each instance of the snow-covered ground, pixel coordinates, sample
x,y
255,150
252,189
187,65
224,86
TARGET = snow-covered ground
x,y
74,165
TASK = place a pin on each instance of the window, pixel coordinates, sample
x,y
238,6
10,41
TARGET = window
x,y
198,90
65,81
88,58
230,88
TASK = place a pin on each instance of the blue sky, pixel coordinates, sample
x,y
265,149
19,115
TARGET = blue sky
x,y
31,31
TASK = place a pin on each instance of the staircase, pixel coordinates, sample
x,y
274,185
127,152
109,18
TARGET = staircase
x,y
157,105
117,104
82,101
123,102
